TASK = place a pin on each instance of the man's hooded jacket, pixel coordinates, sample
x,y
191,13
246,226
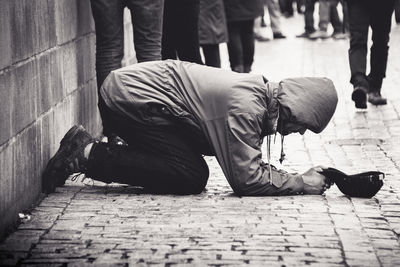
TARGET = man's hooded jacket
x,y
227,114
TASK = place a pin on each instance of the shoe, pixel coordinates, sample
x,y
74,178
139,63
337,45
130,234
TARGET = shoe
x,y
304,34
319,35
69,159
359,96
278,35
263,34
375,98
339,35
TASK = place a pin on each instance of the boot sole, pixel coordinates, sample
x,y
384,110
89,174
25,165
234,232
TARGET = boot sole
x,y
51,178
359,97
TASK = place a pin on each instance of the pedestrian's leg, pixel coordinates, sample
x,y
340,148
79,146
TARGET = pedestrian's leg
x,y
188,47
248,43
324,19
160,159
211,55
108,19
359,20
169,32
235,49
308,18
147,28
380,24
334,17
274,16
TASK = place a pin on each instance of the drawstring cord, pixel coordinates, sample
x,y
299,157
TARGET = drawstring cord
x,y
269,157
282,153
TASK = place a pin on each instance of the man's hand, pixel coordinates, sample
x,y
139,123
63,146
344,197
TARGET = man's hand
x,y
314,182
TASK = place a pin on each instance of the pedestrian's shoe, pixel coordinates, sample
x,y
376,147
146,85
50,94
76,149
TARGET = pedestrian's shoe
x,y
278,35
304,34
359,96
69,159
262,34
375,98
319,35
339,35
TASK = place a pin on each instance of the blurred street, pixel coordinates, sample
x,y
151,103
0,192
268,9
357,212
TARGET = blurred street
x,y
117,225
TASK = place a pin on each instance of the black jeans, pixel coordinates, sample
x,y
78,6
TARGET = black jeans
x,y
309,16
362,15
159,158
241,45
147,28
211,55
180,31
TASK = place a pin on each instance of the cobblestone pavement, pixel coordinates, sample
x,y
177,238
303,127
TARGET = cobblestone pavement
x,y
117,225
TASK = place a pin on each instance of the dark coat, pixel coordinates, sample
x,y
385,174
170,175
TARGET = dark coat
x,y
237,10
232,112
212,22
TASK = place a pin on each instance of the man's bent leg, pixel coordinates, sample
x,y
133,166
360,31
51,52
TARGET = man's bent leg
x,y
156,158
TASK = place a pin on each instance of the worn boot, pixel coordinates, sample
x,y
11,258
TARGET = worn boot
x,y
359,96
69,159
375,98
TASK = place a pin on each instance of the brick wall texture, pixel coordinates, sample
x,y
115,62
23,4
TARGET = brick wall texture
x,y
47,84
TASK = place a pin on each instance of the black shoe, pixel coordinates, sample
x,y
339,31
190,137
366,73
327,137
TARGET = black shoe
x,y
359,96
278,35
375,98
69,159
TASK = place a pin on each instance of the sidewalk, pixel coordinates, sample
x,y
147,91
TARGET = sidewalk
x,y
113,225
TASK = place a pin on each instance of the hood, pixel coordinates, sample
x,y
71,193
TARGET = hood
x,y
310,101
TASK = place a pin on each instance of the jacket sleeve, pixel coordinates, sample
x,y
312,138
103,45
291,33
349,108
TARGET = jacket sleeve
x,y
239,154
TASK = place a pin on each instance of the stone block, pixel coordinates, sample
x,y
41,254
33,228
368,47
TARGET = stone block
x,y
66,18
5,107
5,34
27,158
42,21
24,83
85,59
68,62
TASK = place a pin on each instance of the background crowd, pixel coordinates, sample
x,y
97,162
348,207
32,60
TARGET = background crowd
x,y
183,29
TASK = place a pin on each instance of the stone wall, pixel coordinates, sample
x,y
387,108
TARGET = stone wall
x,y
47,84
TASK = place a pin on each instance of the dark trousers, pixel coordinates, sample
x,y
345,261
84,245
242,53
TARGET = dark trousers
x,y
161,159
180,31
362,15
241,45
109,25
309,16
211,55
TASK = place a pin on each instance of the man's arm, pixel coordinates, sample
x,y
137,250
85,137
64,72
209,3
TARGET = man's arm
x,y
238,149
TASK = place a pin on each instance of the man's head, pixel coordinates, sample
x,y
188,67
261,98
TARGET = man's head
x,y
305,103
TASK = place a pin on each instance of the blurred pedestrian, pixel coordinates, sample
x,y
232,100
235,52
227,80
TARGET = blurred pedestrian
x,y
362,15
397,11
146,18
309,27
180,39
212,30
240,15
286,7
172,112
274,18
328,13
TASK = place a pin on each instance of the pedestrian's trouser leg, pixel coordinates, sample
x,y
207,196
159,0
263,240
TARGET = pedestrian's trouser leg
x,y
334,16
309,16
274,16
157,158
359,21
211,55
248,43
380,24
147,18
169,32
324,15
108,18
235,49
